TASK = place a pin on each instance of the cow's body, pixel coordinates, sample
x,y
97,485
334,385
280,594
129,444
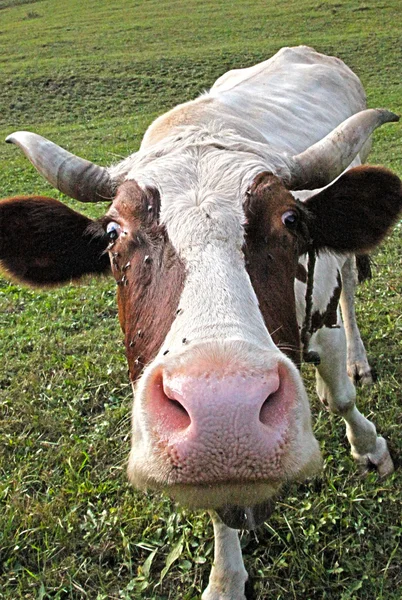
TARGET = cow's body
x,y
204,239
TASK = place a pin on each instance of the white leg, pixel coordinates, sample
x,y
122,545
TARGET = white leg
x,y
228,575
357,363
338,393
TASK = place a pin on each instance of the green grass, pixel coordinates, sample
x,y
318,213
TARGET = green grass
x,y
92,75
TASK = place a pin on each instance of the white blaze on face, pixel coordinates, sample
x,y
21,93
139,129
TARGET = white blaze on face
x,y
218,300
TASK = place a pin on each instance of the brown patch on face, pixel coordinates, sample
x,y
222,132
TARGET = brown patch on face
x,y
330,317
148,271
272,249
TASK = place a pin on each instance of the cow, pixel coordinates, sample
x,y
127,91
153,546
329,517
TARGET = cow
x,y
226,280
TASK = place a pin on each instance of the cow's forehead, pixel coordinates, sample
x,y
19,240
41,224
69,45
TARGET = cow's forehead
x,y
202,192
200,170
212,207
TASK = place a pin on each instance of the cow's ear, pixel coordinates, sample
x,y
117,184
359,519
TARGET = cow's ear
x,y
356,211
43,242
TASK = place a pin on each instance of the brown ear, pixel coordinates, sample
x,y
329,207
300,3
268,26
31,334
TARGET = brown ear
x,y
43,242
355,213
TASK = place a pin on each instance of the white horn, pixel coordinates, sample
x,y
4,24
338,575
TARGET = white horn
x,y
74,176
322,162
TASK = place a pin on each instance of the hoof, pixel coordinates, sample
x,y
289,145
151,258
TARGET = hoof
x,y
361,373
385,467
381,461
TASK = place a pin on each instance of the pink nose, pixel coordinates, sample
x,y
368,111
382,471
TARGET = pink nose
x,y
208,423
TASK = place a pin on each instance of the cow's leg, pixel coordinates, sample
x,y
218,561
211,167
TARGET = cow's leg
x,y
357,363
228,575
338,393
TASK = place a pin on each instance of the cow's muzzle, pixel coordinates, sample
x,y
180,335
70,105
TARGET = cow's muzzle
x,y
219,427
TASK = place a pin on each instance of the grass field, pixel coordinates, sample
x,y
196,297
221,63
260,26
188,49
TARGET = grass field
x,y
91,75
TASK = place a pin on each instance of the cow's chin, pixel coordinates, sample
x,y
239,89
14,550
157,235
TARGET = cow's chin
x,y
244,493
233,500
219,496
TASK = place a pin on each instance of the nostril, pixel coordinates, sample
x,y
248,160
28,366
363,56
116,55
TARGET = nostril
x,y
180,412
269,407
169,413
279,403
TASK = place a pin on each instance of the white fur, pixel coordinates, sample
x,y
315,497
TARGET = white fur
x,y
358,365
337,392
228,575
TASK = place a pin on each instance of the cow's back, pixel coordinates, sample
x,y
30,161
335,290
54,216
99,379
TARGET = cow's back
x,y
294,98
289,102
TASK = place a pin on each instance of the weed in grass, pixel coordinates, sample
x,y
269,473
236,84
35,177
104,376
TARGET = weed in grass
x,y
32,14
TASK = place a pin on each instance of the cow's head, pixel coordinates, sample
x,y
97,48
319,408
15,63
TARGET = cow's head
x,y
206,302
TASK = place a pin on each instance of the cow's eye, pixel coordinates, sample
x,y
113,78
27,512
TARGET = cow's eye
x,y
113,231
290,219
